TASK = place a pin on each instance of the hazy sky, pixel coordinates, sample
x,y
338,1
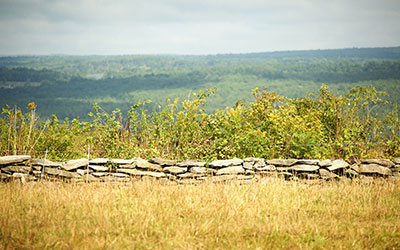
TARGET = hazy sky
x,y
194,26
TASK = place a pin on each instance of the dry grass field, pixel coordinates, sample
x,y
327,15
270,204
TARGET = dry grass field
x,y
271,213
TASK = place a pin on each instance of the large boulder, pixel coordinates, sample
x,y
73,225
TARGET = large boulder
x,y
12,159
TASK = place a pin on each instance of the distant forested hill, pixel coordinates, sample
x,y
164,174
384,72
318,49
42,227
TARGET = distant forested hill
x,y
69,85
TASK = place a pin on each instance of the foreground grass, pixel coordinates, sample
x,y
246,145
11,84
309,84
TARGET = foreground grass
x,y
270,213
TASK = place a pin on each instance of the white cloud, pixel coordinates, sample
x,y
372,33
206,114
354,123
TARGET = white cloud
x,y
194,26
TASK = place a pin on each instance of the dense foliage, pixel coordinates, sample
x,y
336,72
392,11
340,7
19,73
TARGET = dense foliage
x,y
271,126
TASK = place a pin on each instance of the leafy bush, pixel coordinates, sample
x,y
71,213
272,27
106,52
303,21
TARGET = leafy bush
x,y
316,126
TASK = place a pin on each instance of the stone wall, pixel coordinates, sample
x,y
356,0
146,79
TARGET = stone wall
x,y
24,168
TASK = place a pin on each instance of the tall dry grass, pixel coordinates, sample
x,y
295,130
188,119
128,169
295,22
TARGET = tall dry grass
x,y
267,214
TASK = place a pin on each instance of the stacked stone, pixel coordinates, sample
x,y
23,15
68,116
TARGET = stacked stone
x,y
230,170
15,167
121,170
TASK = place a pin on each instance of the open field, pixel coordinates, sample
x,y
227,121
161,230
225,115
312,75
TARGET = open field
x,y
271,213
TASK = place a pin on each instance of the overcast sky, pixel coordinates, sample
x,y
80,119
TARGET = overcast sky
x,y
194,26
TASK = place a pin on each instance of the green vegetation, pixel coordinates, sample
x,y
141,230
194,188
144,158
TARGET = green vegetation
x,y
270,214
272,126
348,115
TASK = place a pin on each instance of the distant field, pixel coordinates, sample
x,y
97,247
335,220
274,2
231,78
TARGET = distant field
x,y
269,214
68,86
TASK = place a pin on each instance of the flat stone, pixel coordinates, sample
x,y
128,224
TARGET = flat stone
x,y
250,172
98,168
383,162
304,167
198,170
266,168
135,172
122,161
190,163
282,162
175,170
162,162
396,168
11,159
338,164
396,161
18,169
143,164
226,163
61,173
307,162
100,161
47,163
128,165
231,170
74,164
248,165
326,174
374,169
325,163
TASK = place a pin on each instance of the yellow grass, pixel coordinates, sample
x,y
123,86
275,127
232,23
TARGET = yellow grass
x,y
267,214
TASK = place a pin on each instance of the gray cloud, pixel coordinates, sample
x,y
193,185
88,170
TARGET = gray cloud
x,y
194,26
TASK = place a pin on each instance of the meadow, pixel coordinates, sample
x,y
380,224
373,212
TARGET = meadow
x,y
269,213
